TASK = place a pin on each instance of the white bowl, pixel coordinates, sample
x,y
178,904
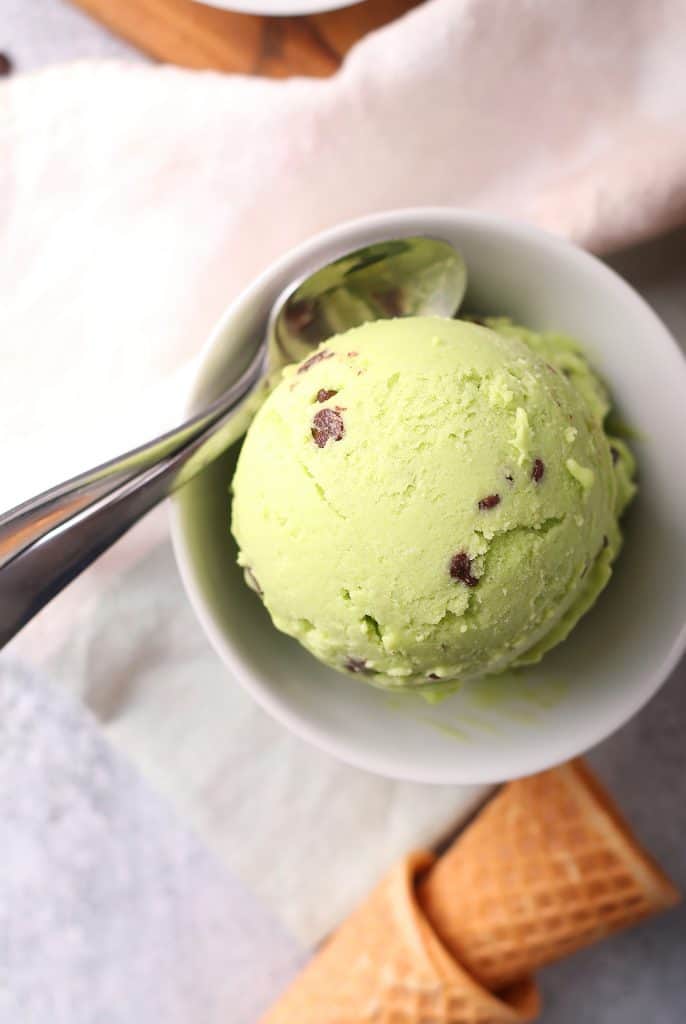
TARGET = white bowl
x,y
620,653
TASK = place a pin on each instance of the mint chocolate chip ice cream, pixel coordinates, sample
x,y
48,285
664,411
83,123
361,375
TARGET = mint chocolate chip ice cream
x,y
424,501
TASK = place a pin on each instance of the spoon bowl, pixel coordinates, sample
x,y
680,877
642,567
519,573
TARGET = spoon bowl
x,y
400,277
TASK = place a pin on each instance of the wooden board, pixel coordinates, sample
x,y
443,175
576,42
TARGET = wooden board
x,y
193,35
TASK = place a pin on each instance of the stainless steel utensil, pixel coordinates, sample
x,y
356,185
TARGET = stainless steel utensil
x,y
47,541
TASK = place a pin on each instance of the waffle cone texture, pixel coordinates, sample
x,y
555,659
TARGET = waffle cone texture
x,y
547,867
386,966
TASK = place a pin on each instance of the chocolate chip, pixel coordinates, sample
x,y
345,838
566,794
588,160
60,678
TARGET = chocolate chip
x,y
327,425
6,65
300,314
358,665
509,477
615,454
461,569
323,395
432,675
538,470
316,358
490,501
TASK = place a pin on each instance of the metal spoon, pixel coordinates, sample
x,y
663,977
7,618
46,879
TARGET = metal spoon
x,y
47,541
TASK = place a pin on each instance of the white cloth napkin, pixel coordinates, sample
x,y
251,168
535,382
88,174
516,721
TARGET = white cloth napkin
x,y
135,203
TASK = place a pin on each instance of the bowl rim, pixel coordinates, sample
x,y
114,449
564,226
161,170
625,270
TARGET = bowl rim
x,y
344,237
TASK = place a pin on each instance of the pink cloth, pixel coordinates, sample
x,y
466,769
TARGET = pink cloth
x,y
136,202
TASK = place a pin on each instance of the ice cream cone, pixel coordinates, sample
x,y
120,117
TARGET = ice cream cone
x,y
549,866
386,966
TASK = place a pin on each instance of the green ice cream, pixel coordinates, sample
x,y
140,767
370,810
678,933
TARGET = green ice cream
x,y
425,500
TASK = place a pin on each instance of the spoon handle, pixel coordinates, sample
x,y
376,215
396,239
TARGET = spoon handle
x,y
28,522
48,541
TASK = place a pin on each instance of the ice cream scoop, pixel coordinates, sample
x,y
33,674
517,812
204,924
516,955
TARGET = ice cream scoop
x,y
425,501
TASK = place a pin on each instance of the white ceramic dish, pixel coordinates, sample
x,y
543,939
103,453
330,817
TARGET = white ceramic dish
x,y
616,658
280,8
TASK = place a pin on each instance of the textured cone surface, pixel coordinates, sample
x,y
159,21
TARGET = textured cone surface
x,y
385,966
548,867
